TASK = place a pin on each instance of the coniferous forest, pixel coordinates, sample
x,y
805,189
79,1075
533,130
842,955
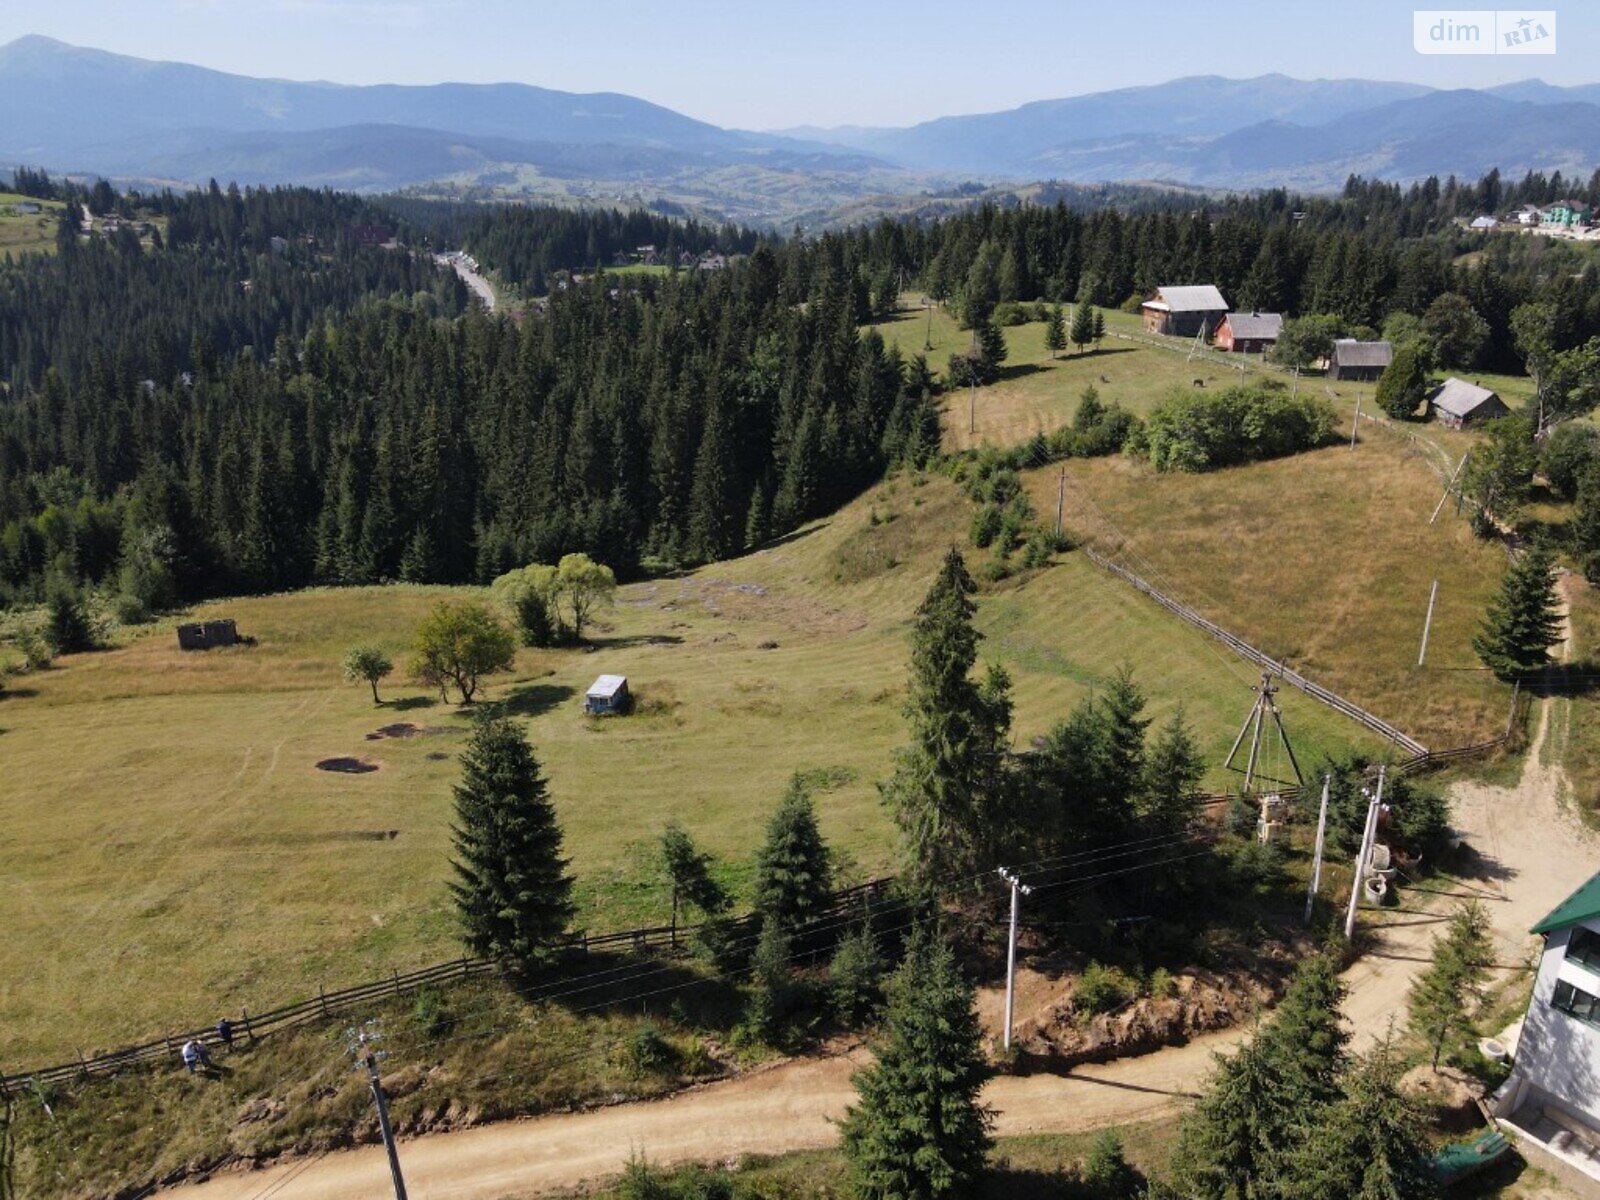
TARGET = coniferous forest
x,y
262,390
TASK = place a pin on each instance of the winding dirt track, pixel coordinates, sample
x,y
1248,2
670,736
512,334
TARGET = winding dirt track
x,y
1533,854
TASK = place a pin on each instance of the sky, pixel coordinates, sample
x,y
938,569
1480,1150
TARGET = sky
x,y
761,65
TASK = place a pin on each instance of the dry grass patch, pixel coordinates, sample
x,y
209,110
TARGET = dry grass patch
x,y
1324,559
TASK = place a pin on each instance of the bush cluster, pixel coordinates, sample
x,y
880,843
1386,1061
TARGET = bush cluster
x,y
1203,430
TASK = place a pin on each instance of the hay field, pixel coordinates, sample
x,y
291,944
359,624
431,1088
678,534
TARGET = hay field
x,y
173,854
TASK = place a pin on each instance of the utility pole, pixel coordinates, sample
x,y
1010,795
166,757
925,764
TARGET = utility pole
x,y
1427,623
1017,886
1355,424
1367,834
361,1049
972,403
1316,858
1061,497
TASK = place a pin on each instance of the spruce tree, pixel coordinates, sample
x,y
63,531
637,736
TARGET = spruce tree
x,y
1403,383
1371,1145
794,876
1082,326
1099,327
68,627
772,989
688,872
1442,996
1524,621
512,891
1236,1141
917,1131
950,792
1055,332
1173,770
855,976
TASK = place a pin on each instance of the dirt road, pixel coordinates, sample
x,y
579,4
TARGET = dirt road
x,y
1532,852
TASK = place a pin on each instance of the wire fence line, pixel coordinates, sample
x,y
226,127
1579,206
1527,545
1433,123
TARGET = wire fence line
x,y
1245,650
662,940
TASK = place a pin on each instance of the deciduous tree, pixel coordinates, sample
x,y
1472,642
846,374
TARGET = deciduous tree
x,y
367,664
460,642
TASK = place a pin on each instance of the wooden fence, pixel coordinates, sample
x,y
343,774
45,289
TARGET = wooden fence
x,y
660,940
1245,650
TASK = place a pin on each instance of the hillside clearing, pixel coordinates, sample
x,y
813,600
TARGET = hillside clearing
x,y
196,861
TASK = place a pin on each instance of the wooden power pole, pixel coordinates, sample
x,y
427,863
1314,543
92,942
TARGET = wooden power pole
x,y
1254,726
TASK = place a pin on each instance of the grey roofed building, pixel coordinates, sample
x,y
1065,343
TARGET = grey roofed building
x,y
1359,360
1256,326
1195,298
1184,310
1485,223
1459,403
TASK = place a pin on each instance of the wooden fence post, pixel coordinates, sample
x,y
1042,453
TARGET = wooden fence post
x,y
249,1029
396,980
322,995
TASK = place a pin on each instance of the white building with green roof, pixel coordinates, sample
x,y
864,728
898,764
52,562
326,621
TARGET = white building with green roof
x,y
1552,1100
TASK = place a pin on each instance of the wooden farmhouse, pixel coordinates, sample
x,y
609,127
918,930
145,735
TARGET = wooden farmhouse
x,y
1359,360
1184,311
1457,404
1249,333
1551,1102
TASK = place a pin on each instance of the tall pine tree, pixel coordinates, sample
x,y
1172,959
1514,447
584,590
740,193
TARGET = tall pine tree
x,y
1524,621
793,870
512,890
917,1131
951,791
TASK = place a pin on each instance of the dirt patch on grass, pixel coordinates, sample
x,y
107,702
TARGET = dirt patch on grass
x,y
404,729
348,766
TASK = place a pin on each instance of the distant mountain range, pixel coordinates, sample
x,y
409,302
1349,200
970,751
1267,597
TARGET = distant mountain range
x,y
75,109
1262,132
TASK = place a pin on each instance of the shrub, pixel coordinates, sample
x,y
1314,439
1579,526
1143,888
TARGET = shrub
x,y
1009,312
431,1015
647,1052
1202,431
985,525
1102,989
68,627
855,977
1160,985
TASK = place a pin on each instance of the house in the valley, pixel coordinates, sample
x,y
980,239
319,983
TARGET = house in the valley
x,y
1184,311
1484,224
1249,333
1457,404
1359,360
1528,214
1551,1102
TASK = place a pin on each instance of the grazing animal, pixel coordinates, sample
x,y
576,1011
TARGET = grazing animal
x,y
1199,383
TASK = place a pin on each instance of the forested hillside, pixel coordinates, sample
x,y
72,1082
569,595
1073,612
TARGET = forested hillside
x,y
224,412
678,419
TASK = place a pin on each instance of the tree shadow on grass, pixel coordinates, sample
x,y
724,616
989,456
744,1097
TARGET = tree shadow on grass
x,y
407,703
632,641
639,983
533,699
17,693
1565,679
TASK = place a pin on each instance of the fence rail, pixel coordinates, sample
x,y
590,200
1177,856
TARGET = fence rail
x,y
1245,650
657,939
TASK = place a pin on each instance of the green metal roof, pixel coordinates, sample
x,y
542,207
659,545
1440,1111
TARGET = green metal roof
x,y
1582,905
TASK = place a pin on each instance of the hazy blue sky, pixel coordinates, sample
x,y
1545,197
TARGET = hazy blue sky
x,y
759,64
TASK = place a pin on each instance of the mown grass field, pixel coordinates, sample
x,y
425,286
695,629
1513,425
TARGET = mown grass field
x,y
173,854
25,234
1323,559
